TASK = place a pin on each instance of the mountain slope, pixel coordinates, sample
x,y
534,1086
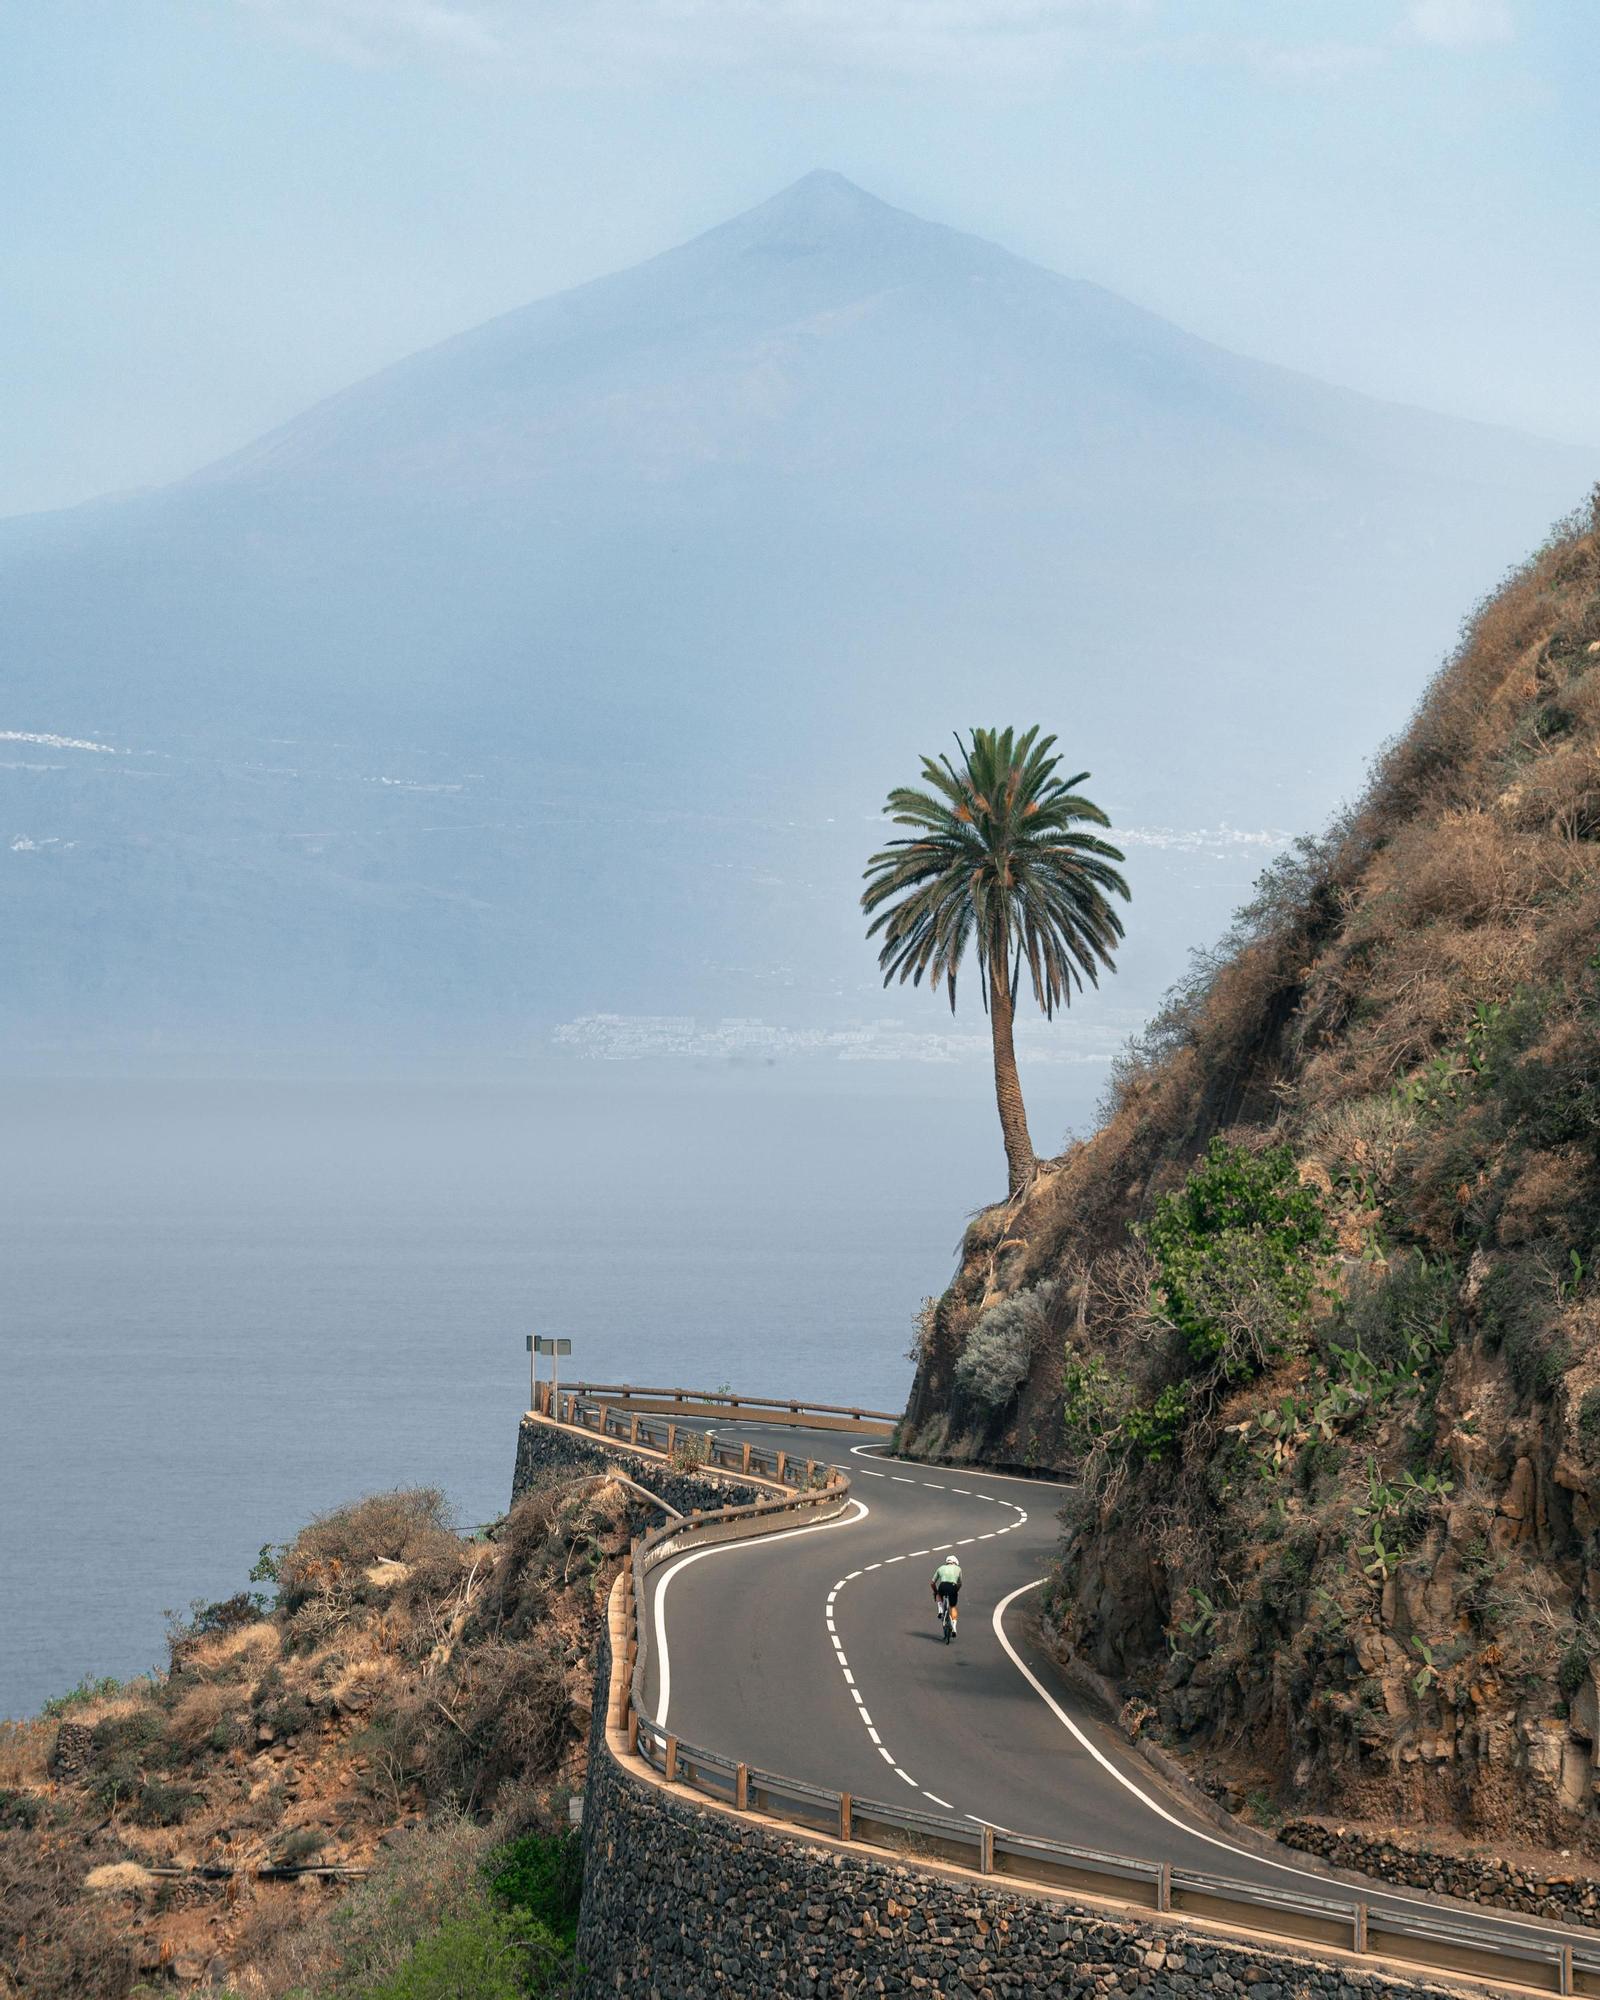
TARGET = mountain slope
x,y
1316,1311
766,514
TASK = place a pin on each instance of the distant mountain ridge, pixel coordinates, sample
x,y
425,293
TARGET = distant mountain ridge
x,y
645,593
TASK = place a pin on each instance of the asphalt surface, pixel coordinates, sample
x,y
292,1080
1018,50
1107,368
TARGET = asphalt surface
x,y
816,1654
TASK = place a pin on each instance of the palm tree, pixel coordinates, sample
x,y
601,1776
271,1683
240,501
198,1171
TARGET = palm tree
x,y
996,859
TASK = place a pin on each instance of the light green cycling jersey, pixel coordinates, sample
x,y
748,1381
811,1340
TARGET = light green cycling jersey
x,y
947,1572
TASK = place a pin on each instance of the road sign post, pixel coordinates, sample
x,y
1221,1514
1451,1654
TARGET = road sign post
x,y
544,1343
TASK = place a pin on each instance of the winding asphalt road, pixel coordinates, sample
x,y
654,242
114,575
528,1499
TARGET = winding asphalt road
x,y
815,1653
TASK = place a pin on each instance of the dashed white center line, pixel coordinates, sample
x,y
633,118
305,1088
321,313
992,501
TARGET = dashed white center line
x,y
885,1562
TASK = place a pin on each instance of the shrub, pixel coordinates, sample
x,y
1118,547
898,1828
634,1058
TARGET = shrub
x,y
430,1876
301,1844
158,1802
213,1621
512,1715
339,1547
690,1451
79,1697
1235,1250
1399,1316
476,1957
19,1811
541,1875
994,1360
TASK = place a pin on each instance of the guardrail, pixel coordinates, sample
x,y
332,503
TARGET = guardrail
x,y
724,1403
583,1409
1434,1940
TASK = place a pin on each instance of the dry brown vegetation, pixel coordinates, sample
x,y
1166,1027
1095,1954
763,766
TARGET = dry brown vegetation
x,y
410,1700
1366,1564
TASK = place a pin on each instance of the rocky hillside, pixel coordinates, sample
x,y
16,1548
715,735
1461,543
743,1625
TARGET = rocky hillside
x,y
356,1787
1316,1312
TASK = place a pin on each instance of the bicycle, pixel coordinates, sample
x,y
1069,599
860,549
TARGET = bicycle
x,y
946,1619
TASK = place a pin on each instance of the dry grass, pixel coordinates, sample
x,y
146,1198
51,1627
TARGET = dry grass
x,y
24,1749
244,1648
197,1715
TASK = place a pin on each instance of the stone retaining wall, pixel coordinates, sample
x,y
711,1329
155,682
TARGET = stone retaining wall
x,y
684,1903
543,1447
1476,1878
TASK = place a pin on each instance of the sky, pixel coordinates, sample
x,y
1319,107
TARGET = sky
x,y
223,210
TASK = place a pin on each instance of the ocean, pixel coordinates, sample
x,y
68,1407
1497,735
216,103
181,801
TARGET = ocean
x,y
225,1306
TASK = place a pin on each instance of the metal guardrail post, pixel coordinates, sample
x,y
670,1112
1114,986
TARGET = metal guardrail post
x,y
669,1767
1565,1969
811,1466
741,1787
672,1439
986,1850
633,1428
745,1466
844,1816
1359,1942
783,1465
633,1730
1164,1887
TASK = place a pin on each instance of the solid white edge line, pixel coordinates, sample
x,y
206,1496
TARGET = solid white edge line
x,y
1160,1811
663,1652
994,1478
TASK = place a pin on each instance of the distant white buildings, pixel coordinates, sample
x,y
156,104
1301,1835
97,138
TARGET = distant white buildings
x,y
741,1038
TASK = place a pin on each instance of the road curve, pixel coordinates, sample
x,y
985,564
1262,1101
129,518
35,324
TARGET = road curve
x,y
815,1653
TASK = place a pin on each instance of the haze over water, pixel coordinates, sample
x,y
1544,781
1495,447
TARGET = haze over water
x,y
227,1306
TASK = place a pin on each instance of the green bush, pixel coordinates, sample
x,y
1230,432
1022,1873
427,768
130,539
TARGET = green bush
x,y
541,1875
85,1692
1152,1429
482,1956
1237,1252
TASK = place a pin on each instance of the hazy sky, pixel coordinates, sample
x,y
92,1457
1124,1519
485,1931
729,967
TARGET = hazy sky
x,y
222,209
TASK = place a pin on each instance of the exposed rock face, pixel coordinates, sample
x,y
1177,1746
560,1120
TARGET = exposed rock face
x,y
1319,1320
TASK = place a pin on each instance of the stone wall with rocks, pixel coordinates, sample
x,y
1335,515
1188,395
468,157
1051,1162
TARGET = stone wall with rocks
x,y
681,1903
1476,1878
545,1448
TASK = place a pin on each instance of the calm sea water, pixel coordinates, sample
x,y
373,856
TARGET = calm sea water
x,y
224,1307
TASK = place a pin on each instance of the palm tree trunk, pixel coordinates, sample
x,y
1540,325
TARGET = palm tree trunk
x,y
1021,1163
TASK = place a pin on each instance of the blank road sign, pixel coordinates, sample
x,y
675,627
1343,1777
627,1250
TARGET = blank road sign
x,y
542,1344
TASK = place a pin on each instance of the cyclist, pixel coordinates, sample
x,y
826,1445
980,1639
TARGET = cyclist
x,y
947,1586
